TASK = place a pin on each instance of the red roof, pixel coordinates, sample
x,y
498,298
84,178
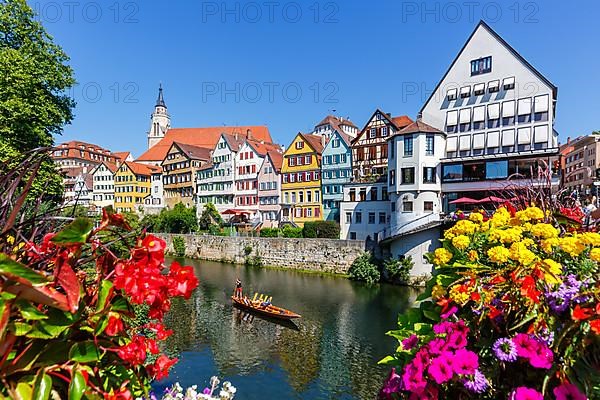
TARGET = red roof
x,y
263,148
276,160
402,121
76,149
142,169
419,126
315,141
336,122
194,152
202,137
122,155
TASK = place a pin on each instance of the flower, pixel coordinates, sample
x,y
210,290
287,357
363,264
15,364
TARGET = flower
x,y
461,242
134,352
571,245
476,217
520,252
114,326
595,254
552,270
505,350
465,362
410,342
581,313
393,384
549,244
498,254
544,231
441,256
500,218
441,369
476,383
473,255
525,393
525,345
412,378
568,391
595,326
160,368
530,213
542,357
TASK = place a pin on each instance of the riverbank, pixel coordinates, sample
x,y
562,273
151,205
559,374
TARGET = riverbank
x,y
329,256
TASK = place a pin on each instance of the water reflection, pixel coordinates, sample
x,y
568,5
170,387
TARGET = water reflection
x,y
330,353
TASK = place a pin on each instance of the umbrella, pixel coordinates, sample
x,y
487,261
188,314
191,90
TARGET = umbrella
x,y
493,199
232,211
464,200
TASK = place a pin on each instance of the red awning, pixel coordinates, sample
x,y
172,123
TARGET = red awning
x,y
232,211
464,200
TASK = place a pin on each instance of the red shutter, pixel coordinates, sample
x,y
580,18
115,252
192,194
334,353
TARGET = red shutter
x,y
253,168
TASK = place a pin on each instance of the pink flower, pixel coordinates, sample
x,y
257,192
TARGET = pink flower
x,y
542,357
526,345
436,346
429,393
410,342
568,391
525,393
450,312
465,362
412,378
441,369
393,384
456,340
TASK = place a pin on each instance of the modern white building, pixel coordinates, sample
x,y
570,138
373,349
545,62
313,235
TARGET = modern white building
x,y
103,187
155,201
498,113
365,211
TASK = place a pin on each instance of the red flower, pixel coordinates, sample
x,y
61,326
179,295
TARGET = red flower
x,y
154,244
581,314
115,325
160,368
595,325
475,296
109,218
122,394
134,353
529,290
497,279
494,312
182,280
159,330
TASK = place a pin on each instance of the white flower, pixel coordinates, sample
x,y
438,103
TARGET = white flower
x,y
224,395
232,389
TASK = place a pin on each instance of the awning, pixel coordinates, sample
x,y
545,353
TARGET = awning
x,y
232,211
464,200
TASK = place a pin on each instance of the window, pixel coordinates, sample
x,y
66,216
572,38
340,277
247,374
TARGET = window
x,y
494,86
408,145
299,145
474,172
407,206
428,206
372,133
429,145
481,66
393,205
373,194
451,94
307,160
292,161
392,177
408,176
428,174
508,83
452,173
384,131
382,218
371,218
348,218
352,235
496,170
358,218
479,89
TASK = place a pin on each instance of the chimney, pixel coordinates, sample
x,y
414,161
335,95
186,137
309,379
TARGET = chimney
x,y
249,134
389,115
237,136
569,140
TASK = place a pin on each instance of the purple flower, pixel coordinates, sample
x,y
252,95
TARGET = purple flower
x,y
505,350
410,342
206,391
456,340
476,383
393,384
412,378
450,312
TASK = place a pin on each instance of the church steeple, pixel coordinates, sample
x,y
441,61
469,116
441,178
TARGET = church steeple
x,y
160,101
160,120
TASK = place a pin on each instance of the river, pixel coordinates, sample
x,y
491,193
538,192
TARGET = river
x,y
330,353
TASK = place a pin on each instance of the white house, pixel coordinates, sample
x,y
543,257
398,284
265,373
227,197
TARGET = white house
x,y
103,186
155,201
364,211
498,113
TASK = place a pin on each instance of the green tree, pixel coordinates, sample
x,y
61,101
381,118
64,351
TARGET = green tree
x,y
210,216
34,84
364,269
180,219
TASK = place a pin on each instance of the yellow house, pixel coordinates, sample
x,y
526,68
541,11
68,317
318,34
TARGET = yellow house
x,y
132,185
301,180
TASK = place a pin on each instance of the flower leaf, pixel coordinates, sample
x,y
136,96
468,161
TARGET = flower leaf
x,y
84,352
76,232
16,271
42,386
77,385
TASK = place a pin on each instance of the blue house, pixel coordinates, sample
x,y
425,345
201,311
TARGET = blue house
x,y
336,171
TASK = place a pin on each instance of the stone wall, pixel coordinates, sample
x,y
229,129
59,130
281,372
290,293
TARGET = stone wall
x,y
320,255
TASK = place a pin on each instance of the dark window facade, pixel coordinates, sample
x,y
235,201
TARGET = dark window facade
x,y
408,176
481,66
428,174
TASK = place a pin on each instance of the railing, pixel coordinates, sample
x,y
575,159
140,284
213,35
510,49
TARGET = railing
x,y
409,226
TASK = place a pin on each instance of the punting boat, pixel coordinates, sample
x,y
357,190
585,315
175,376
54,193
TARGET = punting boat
x,y
269,310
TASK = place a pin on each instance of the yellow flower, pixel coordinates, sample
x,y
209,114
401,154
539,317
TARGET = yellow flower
x,y
552,271
460,295
500,218
590,239
498,254
595,255
520,253
476,217
544,231
473,256
549,244
529,214
465,227
571,245
461,242
505,236
437,292
441,256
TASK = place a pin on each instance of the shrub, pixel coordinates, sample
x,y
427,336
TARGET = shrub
x,y
290,232
321,229
179,246
269,232
248,250
180,219
215,230
512,312
210,216
398,270
364,269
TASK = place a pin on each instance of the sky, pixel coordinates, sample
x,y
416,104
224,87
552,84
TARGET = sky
x,y
287,64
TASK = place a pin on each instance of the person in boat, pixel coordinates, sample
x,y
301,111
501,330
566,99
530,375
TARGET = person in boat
x,y
238,288
265,303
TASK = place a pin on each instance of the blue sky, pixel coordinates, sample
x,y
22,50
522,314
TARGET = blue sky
x,y
287,64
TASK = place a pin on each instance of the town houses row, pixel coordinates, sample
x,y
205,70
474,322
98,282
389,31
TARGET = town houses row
x,y
489,124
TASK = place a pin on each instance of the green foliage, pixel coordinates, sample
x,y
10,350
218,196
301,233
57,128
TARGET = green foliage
x,y
247,250
216,230
180,219
364,269
321,229
151,222
269,232
179,246
398,271
290,232
210,216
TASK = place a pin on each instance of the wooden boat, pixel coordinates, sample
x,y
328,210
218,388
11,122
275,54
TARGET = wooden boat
x,y
270,310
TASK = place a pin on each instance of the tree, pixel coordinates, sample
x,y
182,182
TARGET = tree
x,y
34,84
180,219
210,216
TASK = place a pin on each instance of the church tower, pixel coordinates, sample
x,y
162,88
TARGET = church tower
x,y
160,120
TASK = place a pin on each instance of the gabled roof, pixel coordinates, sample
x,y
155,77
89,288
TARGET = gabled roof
x,y
235,142
514,52
206,166
202,137
276,160
314,141
122,155
263,148
417,127
142,169
111,167
336,122
193,152
399,122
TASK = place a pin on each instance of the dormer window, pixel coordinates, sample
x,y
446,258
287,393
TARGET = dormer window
x,y
299,145
508,83
465,92
494,86
451,94
481,66
479,89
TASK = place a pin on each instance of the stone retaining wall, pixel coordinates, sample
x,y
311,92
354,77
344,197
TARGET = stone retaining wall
x,y
320,255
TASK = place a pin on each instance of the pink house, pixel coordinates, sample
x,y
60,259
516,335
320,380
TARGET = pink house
x,y
269,189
